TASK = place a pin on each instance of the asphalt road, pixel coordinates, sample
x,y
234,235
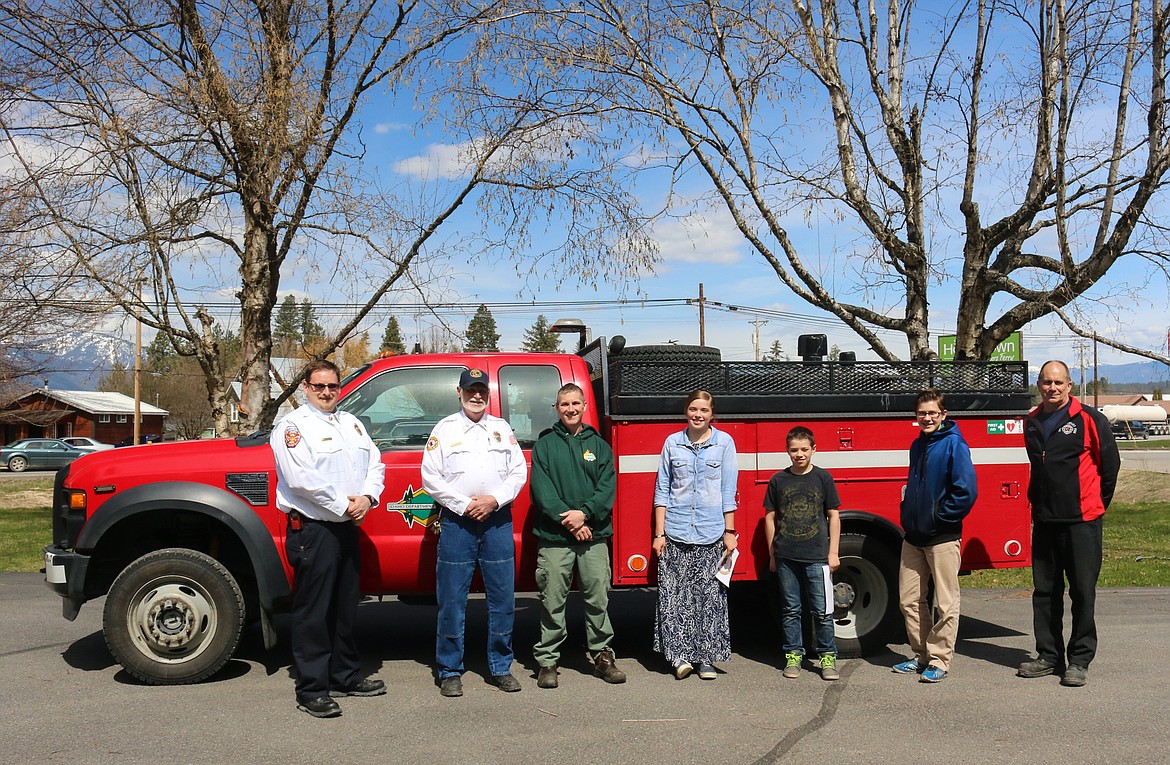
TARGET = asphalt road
x,y
68,702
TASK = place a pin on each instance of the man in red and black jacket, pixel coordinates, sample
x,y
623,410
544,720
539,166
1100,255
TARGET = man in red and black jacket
x,y
1074,471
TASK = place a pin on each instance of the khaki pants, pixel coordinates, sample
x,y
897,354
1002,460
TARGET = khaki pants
x,y
932,642
554,577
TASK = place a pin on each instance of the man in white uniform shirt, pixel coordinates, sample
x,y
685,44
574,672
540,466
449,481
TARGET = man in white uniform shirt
x,y
328,476
473,468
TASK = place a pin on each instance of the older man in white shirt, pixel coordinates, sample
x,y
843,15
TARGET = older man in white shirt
x,y
473,468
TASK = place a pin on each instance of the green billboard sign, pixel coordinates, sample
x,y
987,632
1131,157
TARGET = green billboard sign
x,y
1011,349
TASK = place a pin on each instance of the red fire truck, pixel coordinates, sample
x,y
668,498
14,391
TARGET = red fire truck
x,y
187,545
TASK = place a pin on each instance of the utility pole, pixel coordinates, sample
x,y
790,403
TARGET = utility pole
x,y
702,318
756,340
1096,381
138,366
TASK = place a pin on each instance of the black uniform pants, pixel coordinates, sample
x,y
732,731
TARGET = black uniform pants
x,y
1060,551
327,566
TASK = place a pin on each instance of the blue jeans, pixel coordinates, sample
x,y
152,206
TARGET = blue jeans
x,y
462,544
815,582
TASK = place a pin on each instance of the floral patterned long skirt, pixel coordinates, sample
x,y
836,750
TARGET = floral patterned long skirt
x,y
691,621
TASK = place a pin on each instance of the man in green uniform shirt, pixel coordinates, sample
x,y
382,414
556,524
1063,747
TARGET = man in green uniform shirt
x,y
573,483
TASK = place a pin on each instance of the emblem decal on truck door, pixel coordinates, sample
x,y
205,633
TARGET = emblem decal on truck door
x,y
416,506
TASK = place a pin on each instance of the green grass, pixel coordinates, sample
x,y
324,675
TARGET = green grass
x,y
25,522
1137,551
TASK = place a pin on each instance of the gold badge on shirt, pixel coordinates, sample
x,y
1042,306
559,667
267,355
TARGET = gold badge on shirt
x,y
432,444
589,456
292,436
496,435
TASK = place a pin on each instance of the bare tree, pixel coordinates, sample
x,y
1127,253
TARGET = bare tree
x,y
172,144
1000,157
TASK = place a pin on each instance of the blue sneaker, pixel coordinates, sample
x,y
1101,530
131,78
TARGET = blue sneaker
x,y
932,674
908,667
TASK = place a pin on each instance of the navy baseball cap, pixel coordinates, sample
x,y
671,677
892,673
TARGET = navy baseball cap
x,y
473,377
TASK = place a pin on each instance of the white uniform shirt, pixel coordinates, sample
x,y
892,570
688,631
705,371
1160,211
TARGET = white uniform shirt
x,y
322,459
465,459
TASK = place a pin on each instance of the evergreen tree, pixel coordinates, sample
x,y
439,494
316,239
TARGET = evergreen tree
x,y
310,328
537,338
775,353
288,321
159,355
481,331
392,338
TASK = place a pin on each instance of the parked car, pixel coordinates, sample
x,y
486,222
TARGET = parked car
x,y
1133,429
153,438
38,453
86,444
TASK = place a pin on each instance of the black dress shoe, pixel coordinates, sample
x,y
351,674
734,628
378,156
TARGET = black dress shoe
x,y
506,683
366,687
322,706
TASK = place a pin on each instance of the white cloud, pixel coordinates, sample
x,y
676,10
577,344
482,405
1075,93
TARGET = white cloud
x,y
382,128
706,238
441,160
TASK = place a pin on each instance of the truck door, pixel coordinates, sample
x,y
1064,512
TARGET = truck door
x,y
399,408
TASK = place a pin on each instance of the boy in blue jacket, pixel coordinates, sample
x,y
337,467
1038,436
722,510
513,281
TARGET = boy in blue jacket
x,y
940,491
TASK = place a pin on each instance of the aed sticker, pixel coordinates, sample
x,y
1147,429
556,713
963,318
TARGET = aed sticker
x,y
1005,427
416,506
1014,427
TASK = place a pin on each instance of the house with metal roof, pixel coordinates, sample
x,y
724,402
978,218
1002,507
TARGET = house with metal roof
x,y
51,413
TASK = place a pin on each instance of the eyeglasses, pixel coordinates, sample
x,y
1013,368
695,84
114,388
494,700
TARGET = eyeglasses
x,y
322,387
928,415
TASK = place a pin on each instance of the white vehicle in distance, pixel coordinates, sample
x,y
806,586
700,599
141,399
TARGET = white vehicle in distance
x,y
87,444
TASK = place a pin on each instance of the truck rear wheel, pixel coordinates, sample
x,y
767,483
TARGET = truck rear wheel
x,y
173,616
865,593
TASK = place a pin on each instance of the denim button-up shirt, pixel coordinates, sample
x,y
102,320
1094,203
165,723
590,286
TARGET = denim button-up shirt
x,y
696,484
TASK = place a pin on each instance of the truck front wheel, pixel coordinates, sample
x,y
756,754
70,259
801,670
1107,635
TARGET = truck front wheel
x,y
865,595
173,616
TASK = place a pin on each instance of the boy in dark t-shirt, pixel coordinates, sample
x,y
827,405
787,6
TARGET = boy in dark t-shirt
x,y
804,535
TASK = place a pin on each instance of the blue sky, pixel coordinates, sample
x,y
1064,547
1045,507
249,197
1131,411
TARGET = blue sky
x,y
701,248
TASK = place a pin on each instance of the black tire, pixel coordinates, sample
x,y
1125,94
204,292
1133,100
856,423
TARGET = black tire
x,y
18,464
173,616
867,617
675,353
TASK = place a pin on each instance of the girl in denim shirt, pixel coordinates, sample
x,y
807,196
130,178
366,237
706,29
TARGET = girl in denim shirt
x,y
694,528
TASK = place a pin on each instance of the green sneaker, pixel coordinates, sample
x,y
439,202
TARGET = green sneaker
x,y
792,665
829,667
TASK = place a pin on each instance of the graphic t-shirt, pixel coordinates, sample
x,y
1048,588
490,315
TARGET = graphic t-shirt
x,y
801,503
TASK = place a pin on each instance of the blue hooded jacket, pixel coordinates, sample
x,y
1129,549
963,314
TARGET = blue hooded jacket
x,y
941,487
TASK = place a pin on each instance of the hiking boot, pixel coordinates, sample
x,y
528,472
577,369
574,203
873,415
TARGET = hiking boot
x,y
792,665
682,669
1074,676
365,687
1036,668
932,674
908,667
547,677
604,668
707,671
829,667
322,706
451,686
506,682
